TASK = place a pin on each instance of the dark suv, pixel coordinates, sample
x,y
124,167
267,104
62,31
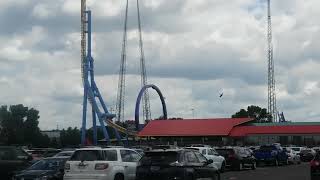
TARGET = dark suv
x,y
175,164
12,159
238,158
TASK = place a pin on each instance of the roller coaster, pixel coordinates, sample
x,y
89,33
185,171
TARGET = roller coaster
x,y
93,95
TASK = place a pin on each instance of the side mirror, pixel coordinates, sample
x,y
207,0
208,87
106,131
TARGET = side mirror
x,y
210,161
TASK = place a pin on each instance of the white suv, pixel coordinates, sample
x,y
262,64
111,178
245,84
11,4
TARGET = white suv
x,y
102,164
210,153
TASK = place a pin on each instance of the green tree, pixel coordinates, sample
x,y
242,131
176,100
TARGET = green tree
x,y
19,125
256,112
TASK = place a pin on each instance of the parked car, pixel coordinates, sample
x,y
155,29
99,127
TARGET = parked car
x,y
306,155
274,154
48,169
210,153
140,151
12,159
297,150
102,164
293,158
315,167
238,157
172,164
64,154
316,149
199,145
164,147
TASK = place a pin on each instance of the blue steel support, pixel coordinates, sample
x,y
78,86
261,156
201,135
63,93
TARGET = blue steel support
x,y
91,91
84,115
137,109
94,126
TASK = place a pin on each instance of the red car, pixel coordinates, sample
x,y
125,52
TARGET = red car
x,y
315,167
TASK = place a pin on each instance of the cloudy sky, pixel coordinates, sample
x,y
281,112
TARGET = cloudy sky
x,y
194,51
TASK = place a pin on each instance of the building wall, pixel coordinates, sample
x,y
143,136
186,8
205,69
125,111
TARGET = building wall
x,y
303,140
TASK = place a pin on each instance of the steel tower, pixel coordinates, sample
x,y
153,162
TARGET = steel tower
x,y
146,101
91,92
272,102
122,71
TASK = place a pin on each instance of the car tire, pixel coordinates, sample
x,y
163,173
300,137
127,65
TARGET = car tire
x,y
254,165
223,167
119,177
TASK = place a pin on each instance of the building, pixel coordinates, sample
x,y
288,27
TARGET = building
x,y
52,134
232,131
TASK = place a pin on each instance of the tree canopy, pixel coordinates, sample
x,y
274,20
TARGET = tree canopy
x,y
19,125
256,112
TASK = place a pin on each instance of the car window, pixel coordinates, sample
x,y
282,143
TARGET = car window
x,y
87,155
190,157
204,151
211,152
111,155
135,156
201,158
160,158
129,156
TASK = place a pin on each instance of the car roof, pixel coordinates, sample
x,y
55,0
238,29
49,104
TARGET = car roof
x,y
60,157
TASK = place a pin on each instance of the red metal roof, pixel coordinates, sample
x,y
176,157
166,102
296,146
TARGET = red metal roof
x,y
192,127
241,131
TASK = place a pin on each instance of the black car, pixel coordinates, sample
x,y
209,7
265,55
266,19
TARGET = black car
x,y
175,164
12,159
48,168
306,155
315,167
238,158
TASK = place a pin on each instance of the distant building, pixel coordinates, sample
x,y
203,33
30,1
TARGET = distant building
x,y
52,134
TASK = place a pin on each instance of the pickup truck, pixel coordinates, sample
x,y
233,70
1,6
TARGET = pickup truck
x,y
274,154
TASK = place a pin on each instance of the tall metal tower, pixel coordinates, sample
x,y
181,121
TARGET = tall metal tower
x,y
122,71
91,92
146,100
272,102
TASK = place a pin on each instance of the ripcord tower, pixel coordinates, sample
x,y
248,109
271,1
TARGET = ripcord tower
x,y
146,100
272,104
122,72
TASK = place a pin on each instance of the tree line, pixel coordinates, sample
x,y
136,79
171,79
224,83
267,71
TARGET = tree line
x,y
19,125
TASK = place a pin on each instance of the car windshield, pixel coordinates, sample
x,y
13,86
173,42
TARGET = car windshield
x,y
48,164
267,148
159,158
225,152
64,154
295,149
87,155
306,151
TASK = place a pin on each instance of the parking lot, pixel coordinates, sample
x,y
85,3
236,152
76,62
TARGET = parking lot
x,y
291,172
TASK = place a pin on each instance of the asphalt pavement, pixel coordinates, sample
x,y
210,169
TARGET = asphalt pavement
x,y
288,172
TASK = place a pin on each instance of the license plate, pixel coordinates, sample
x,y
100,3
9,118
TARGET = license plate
x,y
81,167
154,168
